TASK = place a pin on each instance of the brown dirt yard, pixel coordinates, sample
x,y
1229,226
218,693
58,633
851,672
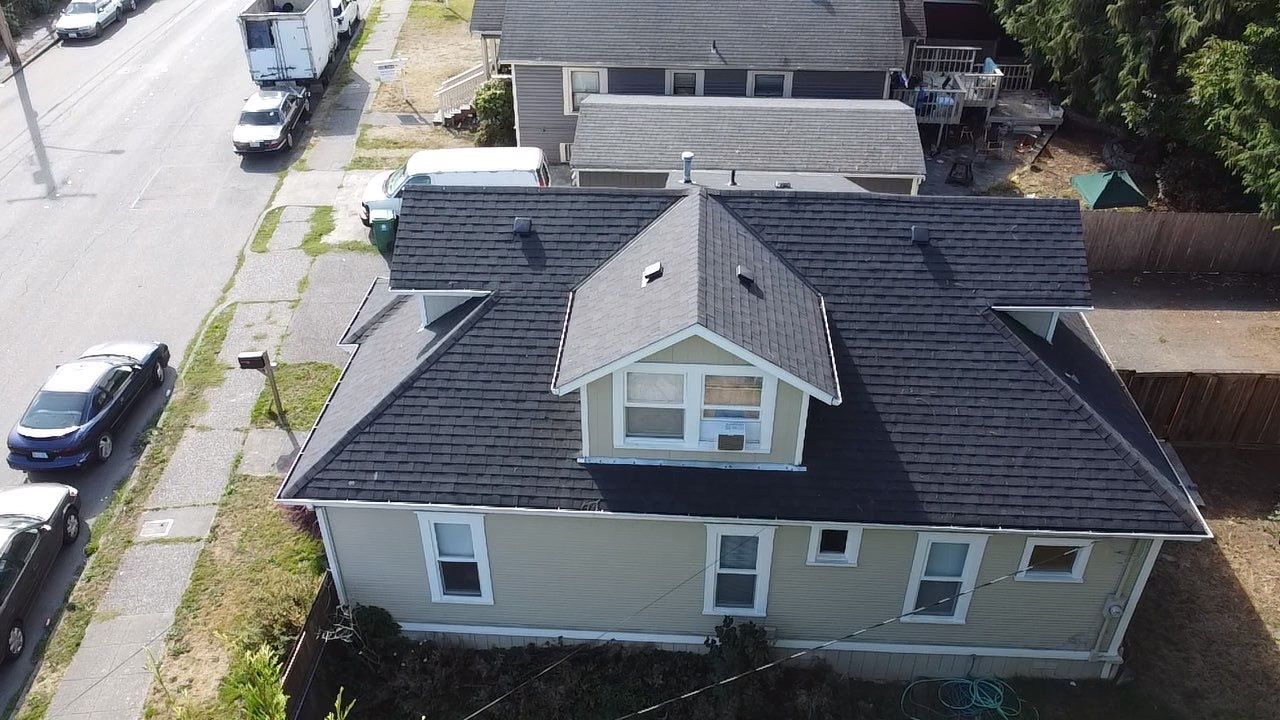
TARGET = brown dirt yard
x,y
1205,640
436,44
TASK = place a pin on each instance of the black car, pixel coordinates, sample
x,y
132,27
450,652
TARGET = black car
x,y
36,521
72,420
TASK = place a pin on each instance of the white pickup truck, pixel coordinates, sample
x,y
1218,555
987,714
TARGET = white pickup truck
x,y
289,41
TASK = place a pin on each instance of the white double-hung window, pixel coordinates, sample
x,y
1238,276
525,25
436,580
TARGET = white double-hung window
x,y
581,82
942,577
737,575
457,557
694,407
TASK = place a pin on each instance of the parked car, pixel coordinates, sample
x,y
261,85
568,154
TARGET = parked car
x,y
346,15
481,167
73,417
270,120
36,521
88,18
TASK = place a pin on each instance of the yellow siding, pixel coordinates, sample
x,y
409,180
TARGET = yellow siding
x,y
591,574
696,351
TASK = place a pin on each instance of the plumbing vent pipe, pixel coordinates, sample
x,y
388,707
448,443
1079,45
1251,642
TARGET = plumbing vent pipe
x,y
686,159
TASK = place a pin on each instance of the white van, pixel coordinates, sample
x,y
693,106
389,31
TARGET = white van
x,y
479,167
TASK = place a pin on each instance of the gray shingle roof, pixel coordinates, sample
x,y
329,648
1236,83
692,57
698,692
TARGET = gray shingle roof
x,y
486,16
950,414
700,246
639,132
835,34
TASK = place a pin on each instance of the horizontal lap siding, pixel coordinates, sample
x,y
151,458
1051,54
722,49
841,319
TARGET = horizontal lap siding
x,y
593,574
728,83
637,81
598,178
540,119
897,186
838,84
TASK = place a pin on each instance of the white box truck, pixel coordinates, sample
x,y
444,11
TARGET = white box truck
x,y
289,41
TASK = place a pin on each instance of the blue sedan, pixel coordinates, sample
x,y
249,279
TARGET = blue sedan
x,y
71,421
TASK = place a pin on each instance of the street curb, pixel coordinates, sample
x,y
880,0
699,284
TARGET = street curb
x,y
42,46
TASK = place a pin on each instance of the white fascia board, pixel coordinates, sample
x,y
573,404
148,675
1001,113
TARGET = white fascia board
x,y
681,639
1043,308
599,514
444,293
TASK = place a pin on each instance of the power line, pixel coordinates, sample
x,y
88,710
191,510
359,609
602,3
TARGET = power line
x,y
624,621
829,643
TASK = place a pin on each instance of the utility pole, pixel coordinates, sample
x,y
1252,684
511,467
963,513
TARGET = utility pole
x,y
6,37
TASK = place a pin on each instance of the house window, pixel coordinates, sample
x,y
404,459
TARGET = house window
x,y
1054,560
694,407
581,82
654,406
457,558
737,576
768,84
942,577
837,546
684,82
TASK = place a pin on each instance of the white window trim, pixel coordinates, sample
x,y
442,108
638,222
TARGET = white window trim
x,y
1076,575
764,560
849,558
973,561
426,522
787,77
693,382
699,83
567,85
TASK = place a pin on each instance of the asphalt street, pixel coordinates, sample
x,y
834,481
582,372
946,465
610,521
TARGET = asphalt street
x,y
122,210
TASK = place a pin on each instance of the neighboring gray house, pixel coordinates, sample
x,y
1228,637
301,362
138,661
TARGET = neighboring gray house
x,y
606,414
561,51
637,140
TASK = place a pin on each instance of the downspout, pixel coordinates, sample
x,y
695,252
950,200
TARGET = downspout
x,y
1114,628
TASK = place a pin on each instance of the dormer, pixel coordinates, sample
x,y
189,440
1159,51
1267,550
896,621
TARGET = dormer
x,y
694,344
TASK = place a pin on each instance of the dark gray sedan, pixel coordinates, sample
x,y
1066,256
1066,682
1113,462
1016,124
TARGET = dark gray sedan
x,y
36,521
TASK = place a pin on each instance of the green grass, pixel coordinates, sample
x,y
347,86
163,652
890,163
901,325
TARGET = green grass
x,y
114,529
365,141
262,237
322,224
342,76
304,388
441,12
373,162
252,585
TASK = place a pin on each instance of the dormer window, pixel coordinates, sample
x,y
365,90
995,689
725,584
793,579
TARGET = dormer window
x,y
694,407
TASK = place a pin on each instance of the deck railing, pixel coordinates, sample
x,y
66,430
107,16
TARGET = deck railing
x,y
981,88
934,106
460,89
1017,76
943,59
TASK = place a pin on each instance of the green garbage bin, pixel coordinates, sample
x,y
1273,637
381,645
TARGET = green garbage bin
x,y
382,224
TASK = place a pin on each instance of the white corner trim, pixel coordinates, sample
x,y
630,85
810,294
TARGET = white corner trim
x,y
335,568
515,103
968,576
479,548
764,562
849,558
690,639
1131,603
803,428
1079,562
586,423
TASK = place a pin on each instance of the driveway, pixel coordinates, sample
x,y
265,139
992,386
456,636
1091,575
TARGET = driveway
x,y
122,210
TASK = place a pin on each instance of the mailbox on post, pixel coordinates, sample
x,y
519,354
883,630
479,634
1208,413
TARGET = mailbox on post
x,y
259,360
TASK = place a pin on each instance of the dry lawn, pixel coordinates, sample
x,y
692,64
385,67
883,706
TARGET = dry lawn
x,y
1206,637
436,45
1071,151
385,147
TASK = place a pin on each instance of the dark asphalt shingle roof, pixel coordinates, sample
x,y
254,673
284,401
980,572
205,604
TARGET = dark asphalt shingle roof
x,y
951,415
834,34
649,132
700,246
486,16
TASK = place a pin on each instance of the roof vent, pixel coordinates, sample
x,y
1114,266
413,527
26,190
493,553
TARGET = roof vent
x,y
782,185
522,226
733,178
919,235
686,159
745,277
651,273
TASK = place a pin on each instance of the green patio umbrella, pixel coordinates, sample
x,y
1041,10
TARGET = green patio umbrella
x,y
1113,189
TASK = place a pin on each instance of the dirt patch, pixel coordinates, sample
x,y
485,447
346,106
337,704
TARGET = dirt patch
x,y
436,45
387,147
1073,150
1206,636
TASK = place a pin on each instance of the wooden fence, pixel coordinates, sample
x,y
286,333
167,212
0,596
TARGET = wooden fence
x,y
307,698
1180,242
1209,408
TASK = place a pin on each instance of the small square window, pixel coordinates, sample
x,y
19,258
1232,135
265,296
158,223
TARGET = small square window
x,y
1054,560
769,85
832,542
834,546
684,83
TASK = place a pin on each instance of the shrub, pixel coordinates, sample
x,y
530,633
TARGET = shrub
x,y
252,686
1194,181
495,109
21,12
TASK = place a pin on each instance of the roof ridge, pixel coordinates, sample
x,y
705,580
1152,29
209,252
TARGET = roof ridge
x,y
1157,480
293,485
